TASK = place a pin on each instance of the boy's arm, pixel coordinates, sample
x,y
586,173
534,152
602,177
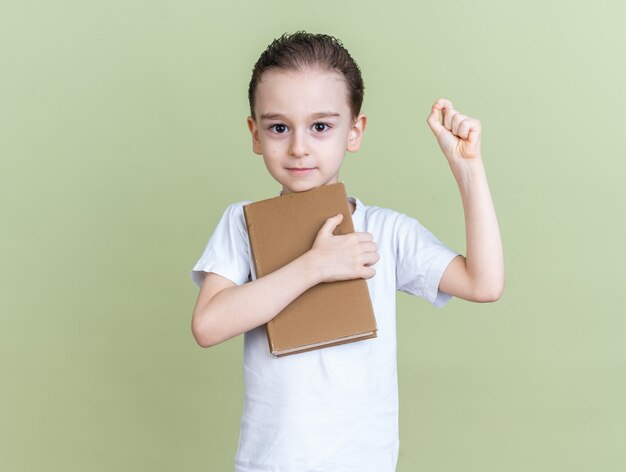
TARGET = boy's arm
x,y
224,310
480,275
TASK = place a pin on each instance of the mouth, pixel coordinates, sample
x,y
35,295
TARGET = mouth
x,y
300,170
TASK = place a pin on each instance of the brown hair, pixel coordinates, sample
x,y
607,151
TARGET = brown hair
x,y
300,50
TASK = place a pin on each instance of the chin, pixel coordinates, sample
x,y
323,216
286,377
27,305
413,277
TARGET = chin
x,y
300,188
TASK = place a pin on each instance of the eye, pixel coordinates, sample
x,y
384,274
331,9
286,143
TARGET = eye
x,y
278,128
321,127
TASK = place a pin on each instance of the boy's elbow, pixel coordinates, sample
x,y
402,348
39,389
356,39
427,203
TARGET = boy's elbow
x,y
204,341
200,339
488,297
201,342
489,293
202,334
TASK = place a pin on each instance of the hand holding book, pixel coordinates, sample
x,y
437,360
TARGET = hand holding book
x,y
343,257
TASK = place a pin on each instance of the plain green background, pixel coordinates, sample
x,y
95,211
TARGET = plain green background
x,y
123,138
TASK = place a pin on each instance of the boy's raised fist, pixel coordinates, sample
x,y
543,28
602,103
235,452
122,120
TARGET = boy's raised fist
x,y
458,135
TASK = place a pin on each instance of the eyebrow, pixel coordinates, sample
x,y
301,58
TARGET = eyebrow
x,y
315,116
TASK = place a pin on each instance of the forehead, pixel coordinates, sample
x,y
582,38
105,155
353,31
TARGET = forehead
x,y
301,92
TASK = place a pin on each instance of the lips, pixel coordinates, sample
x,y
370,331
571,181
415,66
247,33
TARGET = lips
x,y
300,170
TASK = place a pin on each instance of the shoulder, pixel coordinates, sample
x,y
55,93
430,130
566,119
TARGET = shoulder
x,y
373,212
396,229
385,218
232,222
234,212
236,208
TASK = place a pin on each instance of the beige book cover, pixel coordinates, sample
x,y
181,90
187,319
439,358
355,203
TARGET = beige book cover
x,y
280,230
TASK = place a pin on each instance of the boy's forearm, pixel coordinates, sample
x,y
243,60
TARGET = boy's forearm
x,y
484,259
238,309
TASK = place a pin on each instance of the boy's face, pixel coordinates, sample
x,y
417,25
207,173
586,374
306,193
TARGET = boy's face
x,y
303,127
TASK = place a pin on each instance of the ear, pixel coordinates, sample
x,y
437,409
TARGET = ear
x,y
356,133
254,131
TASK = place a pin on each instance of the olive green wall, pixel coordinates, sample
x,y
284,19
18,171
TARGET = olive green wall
x,y
123,138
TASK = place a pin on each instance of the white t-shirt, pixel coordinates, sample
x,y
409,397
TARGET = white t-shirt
x,y
333,409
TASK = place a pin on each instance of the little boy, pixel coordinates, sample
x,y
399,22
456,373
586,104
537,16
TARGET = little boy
x,y
334,409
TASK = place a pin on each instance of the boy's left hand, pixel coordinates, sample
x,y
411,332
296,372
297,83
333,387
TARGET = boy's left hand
x,y
458,135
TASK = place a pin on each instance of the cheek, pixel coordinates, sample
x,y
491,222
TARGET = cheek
x,y
336,143
272,145
271,150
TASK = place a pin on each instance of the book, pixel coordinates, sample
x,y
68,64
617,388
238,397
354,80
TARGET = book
x,y
283,228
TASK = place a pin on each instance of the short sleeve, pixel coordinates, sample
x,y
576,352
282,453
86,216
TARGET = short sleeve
x,y
421,261
227,252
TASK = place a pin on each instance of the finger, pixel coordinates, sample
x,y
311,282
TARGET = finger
x,y
464,128
441,103
369,246
367,272
448,115
457,119
474,131
434,121
370,258
364,237
445,106
330,224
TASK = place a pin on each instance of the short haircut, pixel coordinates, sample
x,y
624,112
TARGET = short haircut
x,y
302,50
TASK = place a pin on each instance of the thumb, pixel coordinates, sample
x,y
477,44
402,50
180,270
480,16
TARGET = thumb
x,y
434,122
330,224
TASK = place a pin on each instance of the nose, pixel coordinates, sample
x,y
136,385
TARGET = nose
x,y
297,146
